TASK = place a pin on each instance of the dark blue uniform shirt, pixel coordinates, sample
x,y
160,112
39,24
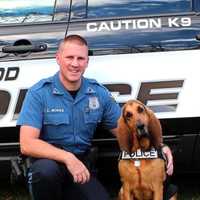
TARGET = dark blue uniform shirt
x,y
64,121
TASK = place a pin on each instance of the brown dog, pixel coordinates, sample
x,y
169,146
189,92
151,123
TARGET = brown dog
x,y
138,128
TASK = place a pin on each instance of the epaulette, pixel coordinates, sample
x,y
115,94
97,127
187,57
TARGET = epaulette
x,y
41,83
92,81
95,82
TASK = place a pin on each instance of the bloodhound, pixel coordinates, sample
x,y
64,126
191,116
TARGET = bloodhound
x,y
140,135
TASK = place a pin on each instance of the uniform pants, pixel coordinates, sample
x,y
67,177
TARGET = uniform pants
x,y
50,180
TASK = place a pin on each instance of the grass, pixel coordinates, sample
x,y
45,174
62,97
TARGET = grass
x,y
189,189
13,192
189,186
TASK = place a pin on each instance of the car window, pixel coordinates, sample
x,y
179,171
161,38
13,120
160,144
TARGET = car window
x,y
76,9
29,11
118,8
25,11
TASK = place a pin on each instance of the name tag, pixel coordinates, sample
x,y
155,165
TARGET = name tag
x,y
152,154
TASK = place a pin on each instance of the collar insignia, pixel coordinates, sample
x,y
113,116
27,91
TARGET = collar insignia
x,y
56,91
90,90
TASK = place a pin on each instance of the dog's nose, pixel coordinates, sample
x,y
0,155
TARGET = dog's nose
x,y
140,126
141,130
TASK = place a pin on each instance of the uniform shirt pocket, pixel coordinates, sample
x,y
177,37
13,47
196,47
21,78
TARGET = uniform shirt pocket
x,y
92,117
56,126
56,119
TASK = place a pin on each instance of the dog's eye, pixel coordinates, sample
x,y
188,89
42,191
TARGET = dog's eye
x,y
129,115
140,109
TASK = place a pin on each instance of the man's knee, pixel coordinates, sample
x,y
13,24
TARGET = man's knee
x,y
170,192
44,169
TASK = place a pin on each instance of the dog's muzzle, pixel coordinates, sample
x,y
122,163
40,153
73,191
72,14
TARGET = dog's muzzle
x,y
142,130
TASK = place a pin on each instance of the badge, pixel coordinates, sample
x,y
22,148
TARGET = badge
x,y
93,103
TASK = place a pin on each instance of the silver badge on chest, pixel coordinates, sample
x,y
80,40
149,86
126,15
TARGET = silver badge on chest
x,y
93,103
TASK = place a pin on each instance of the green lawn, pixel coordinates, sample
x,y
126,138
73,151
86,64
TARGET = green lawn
x,y
14,192
189,189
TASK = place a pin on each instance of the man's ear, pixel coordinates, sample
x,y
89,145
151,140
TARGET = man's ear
x,y
88,61
58,58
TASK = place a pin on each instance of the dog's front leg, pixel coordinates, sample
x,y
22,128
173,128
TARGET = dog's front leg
x,y
126,192
158,193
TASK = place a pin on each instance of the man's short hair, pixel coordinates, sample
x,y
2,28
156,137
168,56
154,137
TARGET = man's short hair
x,y
74,38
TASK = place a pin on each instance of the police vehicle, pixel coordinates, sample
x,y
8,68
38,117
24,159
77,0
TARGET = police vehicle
x,y
139,49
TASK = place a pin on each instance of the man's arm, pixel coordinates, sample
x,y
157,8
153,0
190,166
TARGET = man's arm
x,y
114,131
31,145
170,167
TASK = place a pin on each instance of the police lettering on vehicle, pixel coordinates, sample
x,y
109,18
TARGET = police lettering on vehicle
x,y
144,94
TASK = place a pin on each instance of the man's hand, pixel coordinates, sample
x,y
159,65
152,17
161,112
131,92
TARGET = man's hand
x,y
78,170
170,167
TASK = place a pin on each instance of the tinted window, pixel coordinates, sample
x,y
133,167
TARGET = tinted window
x,y
76,8
61,10
29,11
26,11
114,8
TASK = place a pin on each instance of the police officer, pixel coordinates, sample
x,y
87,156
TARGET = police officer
x,y
58,118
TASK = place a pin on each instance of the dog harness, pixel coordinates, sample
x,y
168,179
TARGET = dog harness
x,y
138,155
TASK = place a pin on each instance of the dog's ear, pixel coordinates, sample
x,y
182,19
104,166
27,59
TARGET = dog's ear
x,y
123,135
155,128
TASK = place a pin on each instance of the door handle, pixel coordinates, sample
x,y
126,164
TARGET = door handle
x,y
20,49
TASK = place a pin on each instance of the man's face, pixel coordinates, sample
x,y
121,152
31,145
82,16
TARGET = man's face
x,y
73,60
